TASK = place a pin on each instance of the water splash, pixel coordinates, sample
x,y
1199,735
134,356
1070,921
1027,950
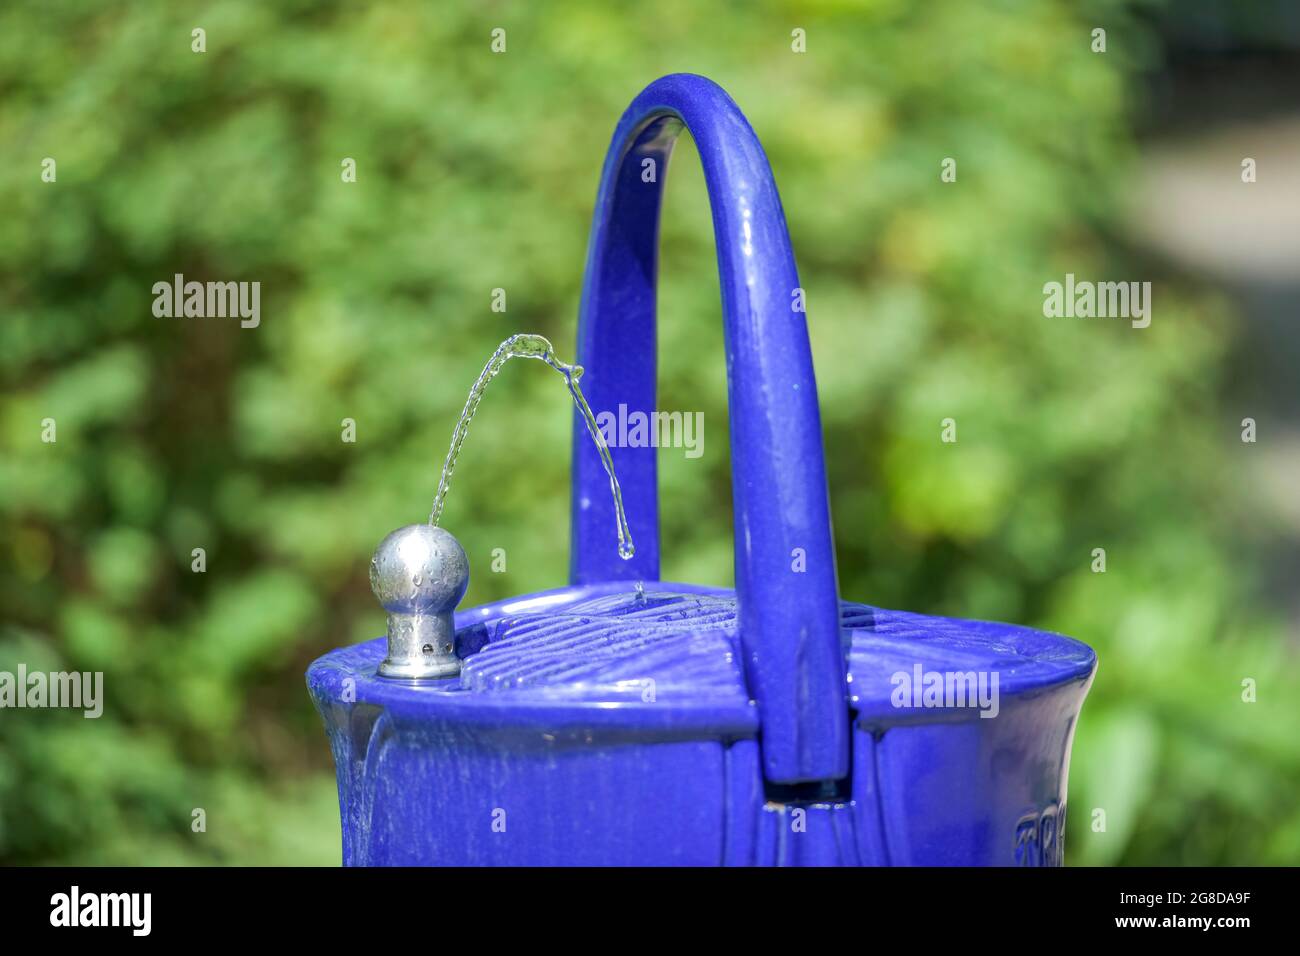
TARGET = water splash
x,y
534,347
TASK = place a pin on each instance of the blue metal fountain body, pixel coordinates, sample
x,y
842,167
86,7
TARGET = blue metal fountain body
x,y
621,720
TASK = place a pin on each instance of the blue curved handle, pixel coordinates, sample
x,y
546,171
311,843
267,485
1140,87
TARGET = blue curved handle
x,y
785,558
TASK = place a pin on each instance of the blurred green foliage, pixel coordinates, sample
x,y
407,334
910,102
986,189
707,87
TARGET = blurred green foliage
x,y
477,171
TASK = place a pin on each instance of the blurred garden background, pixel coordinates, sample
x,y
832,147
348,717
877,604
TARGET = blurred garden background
x,y
477,170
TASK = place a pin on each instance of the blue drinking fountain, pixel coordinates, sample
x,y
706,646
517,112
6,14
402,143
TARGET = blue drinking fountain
x,y
624,720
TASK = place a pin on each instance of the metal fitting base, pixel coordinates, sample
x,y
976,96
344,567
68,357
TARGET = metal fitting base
x,y
419,670
420,647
